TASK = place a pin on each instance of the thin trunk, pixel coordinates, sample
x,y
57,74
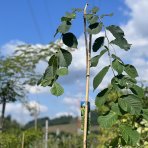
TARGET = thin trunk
x,y
3,114
88,57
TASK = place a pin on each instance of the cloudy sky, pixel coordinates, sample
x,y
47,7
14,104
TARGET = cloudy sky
x,y
34,22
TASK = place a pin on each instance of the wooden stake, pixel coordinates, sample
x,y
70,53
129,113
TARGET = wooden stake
x,y
23,137
46,134
88,57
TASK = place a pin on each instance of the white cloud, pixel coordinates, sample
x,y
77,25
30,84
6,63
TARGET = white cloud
x,y
20,113
138,13
64,114
36,89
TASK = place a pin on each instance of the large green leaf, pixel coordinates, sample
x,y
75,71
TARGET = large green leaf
x,y
53,61
94,28
145,114
131,104
62,71
99,77
130,136
70,40
118,66
95,59
101,97
115,107
64,58
122,43
116,57
93,20
49,75
123,81
108,120
137,90
98,43
116,31
64,27
57,89
131,70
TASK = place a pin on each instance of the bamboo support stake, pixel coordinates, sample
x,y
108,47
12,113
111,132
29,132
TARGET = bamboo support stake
x,y
88,57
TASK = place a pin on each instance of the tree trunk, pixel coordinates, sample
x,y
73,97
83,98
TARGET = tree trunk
x,y
2,115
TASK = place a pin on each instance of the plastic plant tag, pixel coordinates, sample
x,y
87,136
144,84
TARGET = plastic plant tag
x,y
83,104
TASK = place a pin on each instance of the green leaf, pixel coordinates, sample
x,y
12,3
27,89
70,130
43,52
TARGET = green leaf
x,y
95,10
99,77
130,136
131,104
49,75
53,61
57,89
116,31
98,44
88,17
46,81
93,20
70,40
49,72
77,10
116,109
94,28
62,71
123,81
71,15
114,142
137,90
95,59
145,114
122,43
101,97
116,57
65,19
64,27
64,58
118,66
131,71
108,120
103,15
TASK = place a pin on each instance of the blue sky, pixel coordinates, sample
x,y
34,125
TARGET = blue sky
x,y
35,22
